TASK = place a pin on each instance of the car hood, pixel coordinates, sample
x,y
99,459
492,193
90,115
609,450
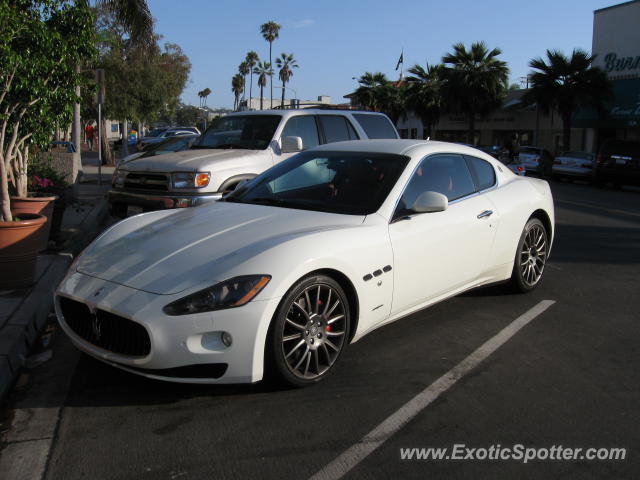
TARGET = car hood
x,y
169,251
188,160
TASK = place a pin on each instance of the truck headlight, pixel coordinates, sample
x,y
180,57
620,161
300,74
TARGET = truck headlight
x,y
118,178
231,293
190,180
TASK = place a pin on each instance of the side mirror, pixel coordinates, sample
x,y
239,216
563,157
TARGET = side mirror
x,y
428,202
291,144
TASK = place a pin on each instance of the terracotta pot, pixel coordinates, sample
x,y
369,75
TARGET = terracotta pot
x,y
41,204
20,242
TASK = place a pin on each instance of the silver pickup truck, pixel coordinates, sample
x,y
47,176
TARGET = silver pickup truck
x,y
238,147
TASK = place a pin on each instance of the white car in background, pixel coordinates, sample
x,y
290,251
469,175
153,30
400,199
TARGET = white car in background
x,y
237,147
574,165
314,253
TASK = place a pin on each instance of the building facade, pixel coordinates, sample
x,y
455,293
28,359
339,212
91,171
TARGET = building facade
x,y
616,45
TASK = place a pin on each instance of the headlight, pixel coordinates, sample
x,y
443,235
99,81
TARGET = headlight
x,y
118,178
231,293
190,180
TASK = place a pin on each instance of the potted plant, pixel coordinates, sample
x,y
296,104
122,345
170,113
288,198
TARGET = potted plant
x,y
42,43
32,194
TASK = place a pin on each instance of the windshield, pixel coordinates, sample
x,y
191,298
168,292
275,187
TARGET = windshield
x,y
252,132
172,144
354,183
155,132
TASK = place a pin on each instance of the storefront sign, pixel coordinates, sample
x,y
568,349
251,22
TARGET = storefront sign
x,y
613,63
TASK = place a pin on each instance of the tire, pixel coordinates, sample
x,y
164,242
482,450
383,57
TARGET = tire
x,y
531,257
309,332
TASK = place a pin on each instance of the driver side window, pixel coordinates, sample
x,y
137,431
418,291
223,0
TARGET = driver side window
x,y
447,174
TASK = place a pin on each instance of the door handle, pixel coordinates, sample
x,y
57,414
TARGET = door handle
x,y
486,213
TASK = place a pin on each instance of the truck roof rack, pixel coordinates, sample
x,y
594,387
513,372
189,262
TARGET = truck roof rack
x,y
319,106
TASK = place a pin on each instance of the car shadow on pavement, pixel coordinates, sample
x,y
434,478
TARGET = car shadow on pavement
x,y
596,245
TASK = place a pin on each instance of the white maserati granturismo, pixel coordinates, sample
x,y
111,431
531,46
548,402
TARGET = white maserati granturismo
x,y
282,274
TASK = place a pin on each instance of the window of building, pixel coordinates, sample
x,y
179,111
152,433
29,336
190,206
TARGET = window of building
x,y
414,133
404,133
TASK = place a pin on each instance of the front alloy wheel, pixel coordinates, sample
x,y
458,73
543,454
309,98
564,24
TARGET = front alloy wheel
x,y
310,330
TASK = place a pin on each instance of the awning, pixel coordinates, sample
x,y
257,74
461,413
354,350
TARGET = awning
x,y
623,110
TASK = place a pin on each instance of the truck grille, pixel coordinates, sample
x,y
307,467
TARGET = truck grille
x,y
106,330
147,181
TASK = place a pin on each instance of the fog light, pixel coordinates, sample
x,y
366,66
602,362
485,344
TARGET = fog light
x,y
226,339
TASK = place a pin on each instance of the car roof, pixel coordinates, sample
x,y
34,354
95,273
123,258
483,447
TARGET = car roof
x,y
401,147
305,111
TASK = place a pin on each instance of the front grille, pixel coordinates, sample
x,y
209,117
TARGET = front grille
x,y
147,181
106,330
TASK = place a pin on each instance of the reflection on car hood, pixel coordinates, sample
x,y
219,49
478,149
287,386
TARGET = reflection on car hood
x,y
169,251
189,160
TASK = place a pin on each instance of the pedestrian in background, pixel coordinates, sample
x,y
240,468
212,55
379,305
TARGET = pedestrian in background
x,y
88,135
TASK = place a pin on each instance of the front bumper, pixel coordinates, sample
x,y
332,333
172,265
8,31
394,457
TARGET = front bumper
x,y
149,201
177,342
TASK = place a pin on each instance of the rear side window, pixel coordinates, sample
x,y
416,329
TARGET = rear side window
x,y
337,128
304,127
483,173
376,126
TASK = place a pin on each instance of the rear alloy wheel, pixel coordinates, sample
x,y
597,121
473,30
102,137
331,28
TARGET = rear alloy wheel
x,y
531,257
310,330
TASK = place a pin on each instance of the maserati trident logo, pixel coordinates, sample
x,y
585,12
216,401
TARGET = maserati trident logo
x,y
96,327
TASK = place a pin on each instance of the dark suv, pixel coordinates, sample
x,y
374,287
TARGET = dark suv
x,y
618,162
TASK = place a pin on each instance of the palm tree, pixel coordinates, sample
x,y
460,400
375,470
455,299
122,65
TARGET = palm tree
x,y
252,60
270,32
263,70
423,94
201,96
473,81
566,84
377,93
205,93
134,15
285,63
243,69
368,94
237,87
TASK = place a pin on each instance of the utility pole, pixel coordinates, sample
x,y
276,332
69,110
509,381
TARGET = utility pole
x,y
100,101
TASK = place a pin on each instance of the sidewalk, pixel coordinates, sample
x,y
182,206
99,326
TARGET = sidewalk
x,y
24,313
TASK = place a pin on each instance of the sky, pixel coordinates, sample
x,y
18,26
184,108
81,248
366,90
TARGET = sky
x,y
336,40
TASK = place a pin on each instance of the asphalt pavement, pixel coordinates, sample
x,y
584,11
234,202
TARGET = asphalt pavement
x,y
570,377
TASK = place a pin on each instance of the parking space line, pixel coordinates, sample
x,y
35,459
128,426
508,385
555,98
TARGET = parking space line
x,y
392,424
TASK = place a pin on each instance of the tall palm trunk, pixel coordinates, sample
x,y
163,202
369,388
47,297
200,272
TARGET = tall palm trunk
x,y
282,101
250,86
270,76
261,96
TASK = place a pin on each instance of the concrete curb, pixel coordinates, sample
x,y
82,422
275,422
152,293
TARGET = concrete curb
x,y
28,316
21,329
